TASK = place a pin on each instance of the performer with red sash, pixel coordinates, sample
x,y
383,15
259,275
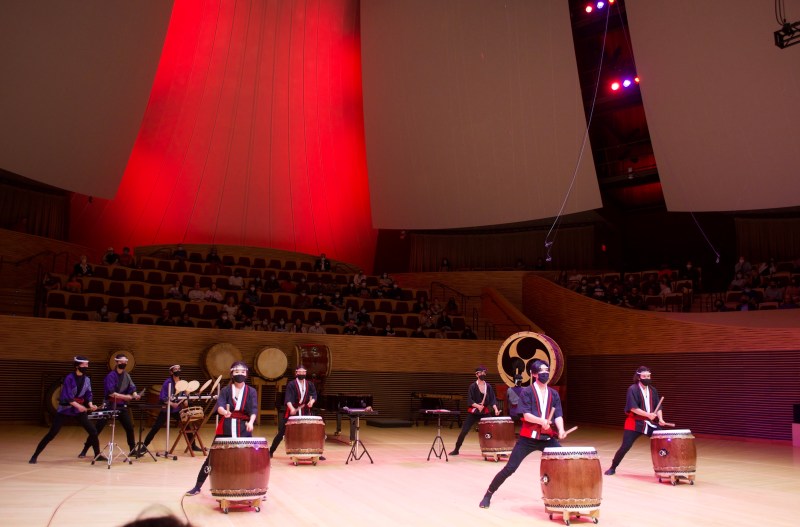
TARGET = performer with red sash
x,y
75,400
641,406
300,397
480,398
237,405
535,405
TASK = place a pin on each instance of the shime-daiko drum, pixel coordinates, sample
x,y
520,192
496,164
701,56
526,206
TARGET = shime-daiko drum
x,y
239,470
674,455
571,482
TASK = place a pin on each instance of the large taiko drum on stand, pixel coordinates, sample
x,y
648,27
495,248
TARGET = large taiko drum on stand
x,y
218,358
571,482
496,437
239,470
674,455
271,364
305,438
520,350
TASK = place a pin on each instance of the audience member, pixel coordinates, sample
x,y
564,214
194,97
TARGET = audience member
x,y
252,294
165,319
110,258
224,321
73,285
444,265
179,253
230,307
280,326
322,263
742,266
83,268
213,294
51,282
468,334
350,328
126,258
185,321
125,317
316,328
773,293
196,294
101,315
418,333
236,281
176,291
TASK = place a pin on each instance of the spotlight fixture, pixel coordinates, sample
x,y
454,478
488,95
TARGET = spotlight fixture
x,y
788,35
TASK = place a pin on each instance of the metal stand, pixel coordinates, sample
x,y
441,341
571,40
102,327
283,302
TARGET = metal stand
x,y
165,453
437,448
141,449
112,447
355,455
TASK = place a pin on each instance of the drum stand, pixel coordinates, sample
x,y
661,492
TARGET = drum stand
x,y
112,447
437,448
141,449
355,455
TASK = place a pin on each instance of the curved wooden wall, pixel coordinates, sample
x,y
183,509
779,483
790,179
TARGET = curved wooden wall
x,y
723,379
45,347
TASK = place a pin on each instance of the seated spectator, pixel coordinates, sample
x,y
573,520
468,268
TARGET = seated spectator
x,y
614,298
237,280
742,266
258,283
350,328
388,331
302,301
224,321
126,258
317,328
425,320
444,265
322,263
73,285
110,258
418,333
350,290
214,262
82,268
664,288
247,325
790,302
441,334
50,282
385,281
395,292
451,308
101,315
185,321
435,308
367,330
196,294
631,282
377,293
793,289
746,303
272,284
231,308
125,317
252,294
246,309
281,326
689,272
349,315
444,322
363,317
767,268
634,300
363,290
468,334
179,253
213,294
262,325
337,301
358,278
738,282
420,305
598,291
302,286
719,306
320,302
176,291
165,319
583,288
773,293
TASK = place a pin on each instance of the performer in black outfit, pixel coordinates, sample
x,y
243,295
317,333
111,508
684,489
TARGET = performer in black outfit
x,y
640,404
119,390
163,398
535,405
480,399
238,407
75,400
300,397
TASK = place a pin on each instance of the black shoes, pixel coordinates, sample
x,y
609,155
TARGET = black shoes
x,y
196,448
271,453
83,453
194,491
453,453
101,458
32,460
610,472
322,458
485,501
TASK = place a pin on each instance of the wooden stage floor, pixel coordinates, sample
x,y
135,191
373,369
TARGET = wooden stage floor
x,y
738,484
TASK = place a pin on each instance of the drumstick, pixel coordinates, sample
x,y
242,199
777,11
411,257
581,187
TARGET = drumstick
x,y
570,430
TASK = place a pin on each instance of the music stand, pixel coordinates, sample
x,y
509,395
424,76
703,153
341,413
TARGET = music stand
x,y
437,448
355,415
141,449
111,446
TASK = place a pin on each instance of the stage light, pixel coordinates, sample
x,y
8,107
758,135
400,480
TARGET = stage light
x,y
626,83
601,5
788,35
589,9
636,79
614,86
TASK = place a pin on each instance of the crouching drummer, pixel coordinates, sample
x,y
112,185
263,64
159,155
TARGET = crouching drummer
x,y
76,401
237,406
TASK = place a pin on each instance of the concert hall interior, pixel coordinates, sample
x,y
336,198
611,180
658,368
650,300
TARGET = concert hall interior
x,y
390,193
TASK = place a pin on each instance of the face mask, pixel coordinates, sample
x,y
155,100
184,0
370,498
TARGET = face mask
x,y
543,377
301,377
84,370
482,376
122,366
177,374
645,382
239,378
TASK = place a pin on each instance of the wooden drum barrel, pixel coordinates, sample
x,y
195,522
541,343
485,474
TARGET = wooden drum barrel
x,y
305,437
496,436
239,468
571,481
674,454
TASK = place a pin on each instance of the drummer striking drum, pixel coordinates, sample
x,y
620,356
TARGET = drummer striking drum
x,y
480,398
163,398
299,399
75,398
238,407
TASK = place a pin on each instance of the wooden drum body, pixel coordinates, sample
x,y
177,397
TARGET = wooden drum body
x,y
305,438
674,455
496,436
239,469
571,481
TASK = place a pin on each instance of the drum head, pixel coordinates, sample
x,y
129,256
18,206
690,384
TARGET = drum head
x,y
204,386
131,360
181,386
216,383
521,349
192,386
271,364
219,357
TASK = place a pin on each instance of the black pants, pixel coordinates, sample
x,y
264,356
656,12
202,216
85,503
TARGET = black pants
x,y
523,447
628,438
55,428
469,423
124,418
281,432
161,420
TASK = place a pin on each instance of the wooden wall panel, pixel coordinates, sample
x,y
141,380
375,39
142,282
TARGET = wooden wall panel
x,y
725,379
